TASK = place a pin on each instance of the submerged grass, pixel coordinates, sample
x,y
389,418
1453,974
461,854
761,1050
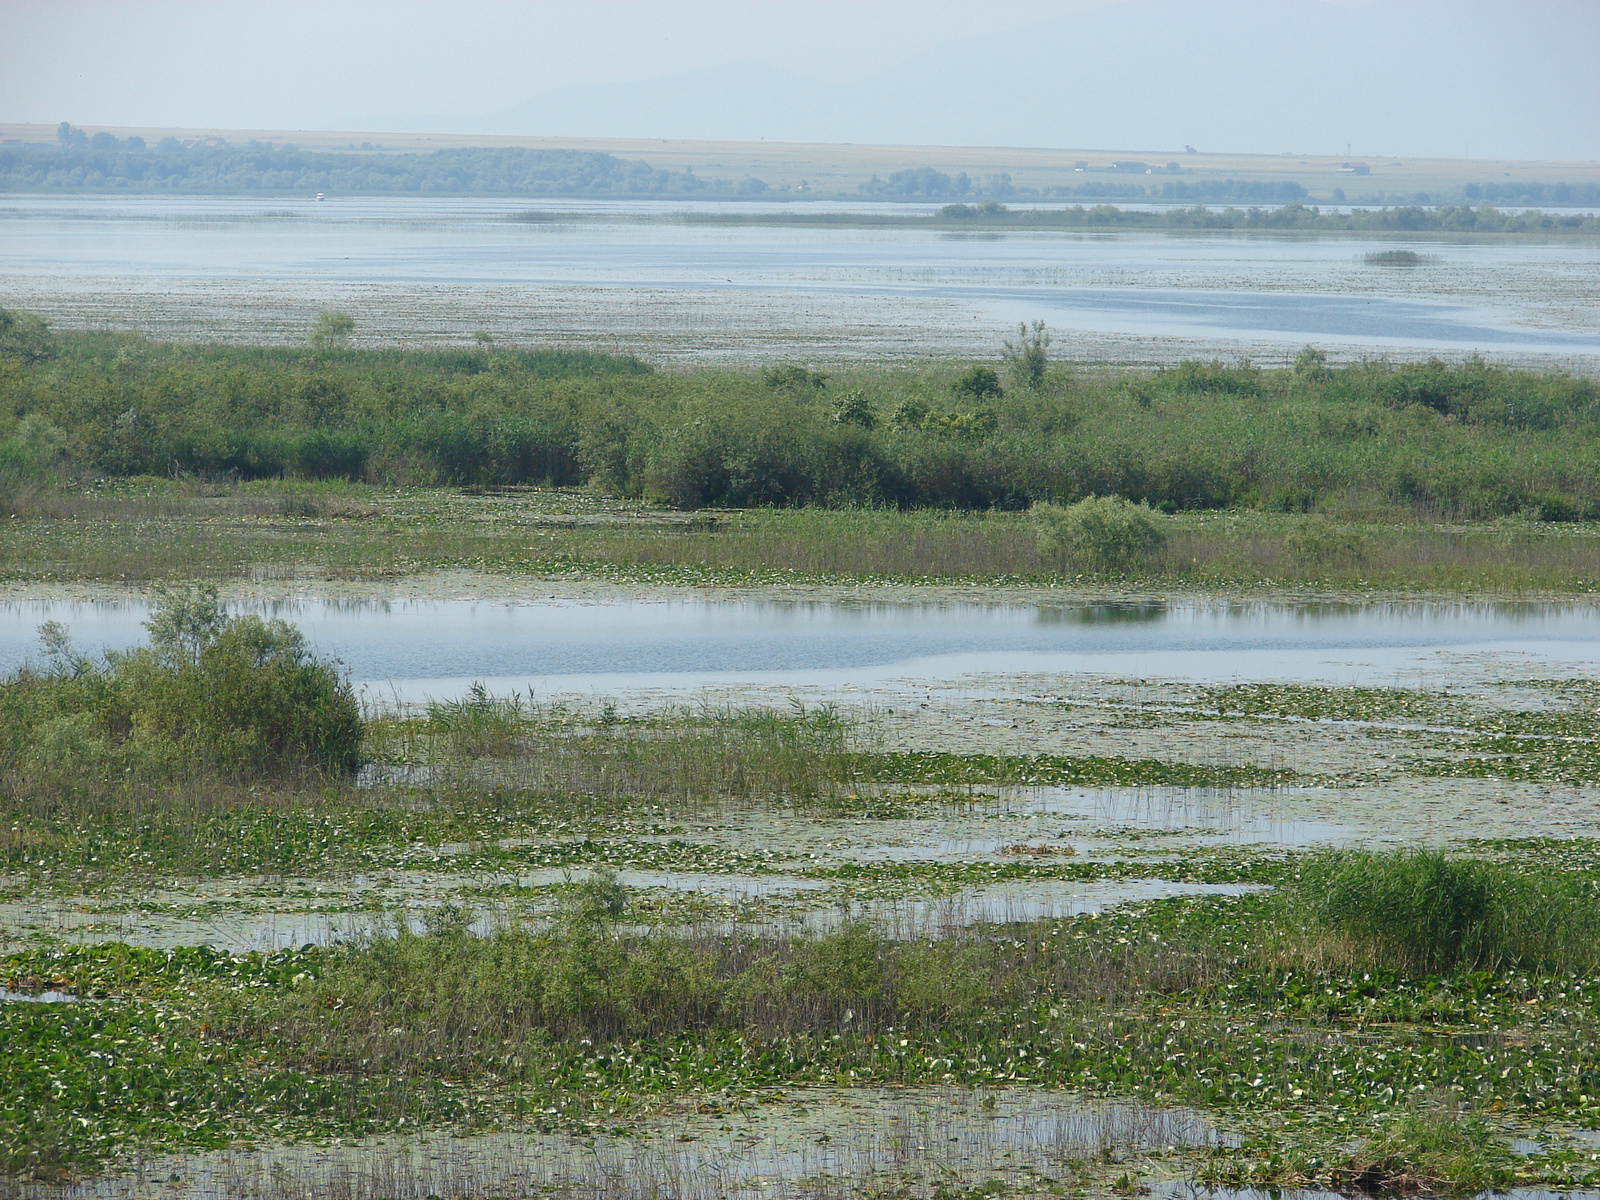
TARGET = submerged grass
x,y
943,768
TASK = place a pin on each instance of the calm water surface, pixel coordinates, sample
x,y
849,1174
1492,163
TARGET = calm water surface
x,y
417,649
437,269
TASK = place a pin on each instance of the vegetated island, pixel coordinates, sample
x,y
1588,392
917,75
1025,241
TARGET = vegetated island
x,y
1372,474
1293,217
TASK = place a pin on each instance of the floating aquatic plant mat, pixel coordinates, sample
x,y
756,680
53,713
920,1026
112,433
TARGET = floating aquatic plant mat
x,y
1102,933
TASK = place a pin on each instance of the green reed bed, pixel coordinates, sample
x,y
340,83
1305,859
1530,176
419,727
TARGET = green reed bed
x,y
1468,441
485,774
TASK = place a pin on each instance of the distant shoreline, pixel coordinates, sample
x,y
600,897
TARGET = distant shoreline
x,y
1408,221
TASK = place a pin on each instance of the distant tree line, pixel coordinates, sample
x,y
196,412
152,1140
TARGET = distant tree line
x,y
106,163
79,162
1558,195
1402,219
927,183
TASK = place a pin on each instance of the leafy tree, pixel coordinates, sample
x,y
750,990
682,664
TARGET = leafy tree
x,y
331,330
1028,358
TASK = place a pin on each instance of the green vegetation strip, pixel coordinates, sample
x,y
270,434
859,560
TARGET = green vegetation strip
x,y
1285,1014
947,769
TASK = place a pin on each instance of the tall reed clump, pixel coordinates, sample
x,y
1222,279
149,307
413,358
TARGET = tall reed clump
x,y
233,695
1423,912
1433,1146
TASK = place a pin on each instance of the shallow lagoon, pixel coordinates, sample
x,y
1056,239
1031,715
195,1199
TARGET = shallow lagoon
x,y
433,270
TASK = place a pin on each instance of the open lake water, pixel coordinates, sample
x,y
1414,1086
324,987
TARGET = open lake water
x,y
415,270
416,650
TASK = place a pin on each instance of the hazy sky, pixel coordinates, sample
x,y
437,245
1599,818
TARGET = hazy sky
x,y
1487,78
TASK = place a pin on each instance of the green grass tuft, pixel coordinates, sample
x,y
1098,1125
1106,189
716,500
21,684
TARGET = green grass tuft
x,y
1425,912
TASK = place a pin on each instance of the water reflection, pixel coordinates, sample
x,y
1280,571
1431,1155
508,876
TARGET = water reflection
x,y
1102,614
415,648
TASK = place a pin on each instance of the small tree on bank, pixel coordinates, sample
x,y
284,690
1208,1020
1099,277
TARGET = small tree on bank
x,y
1028,358
331,330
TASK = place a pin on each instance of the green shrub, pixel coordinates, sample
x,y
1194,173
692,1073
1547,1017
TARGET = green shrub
x,y
331,330
793,377
1101,532
840,967
853,408
234,694
980,383
908,414
973,425
1393,258
1311,365
25,336
1028,358
1194,378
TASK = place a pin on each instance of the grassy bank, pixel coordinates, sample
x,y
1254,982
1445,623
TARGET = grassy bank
x,y
147,530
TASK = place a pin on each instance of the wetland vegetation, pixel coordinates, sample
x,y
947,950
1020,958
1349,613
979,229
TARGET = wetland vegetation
x,y
606,922
1392,1019
118,455
1469,441
1292,216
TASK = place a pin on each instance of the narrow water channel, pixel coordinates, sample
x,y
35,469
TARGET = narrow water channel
x,y
411,650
